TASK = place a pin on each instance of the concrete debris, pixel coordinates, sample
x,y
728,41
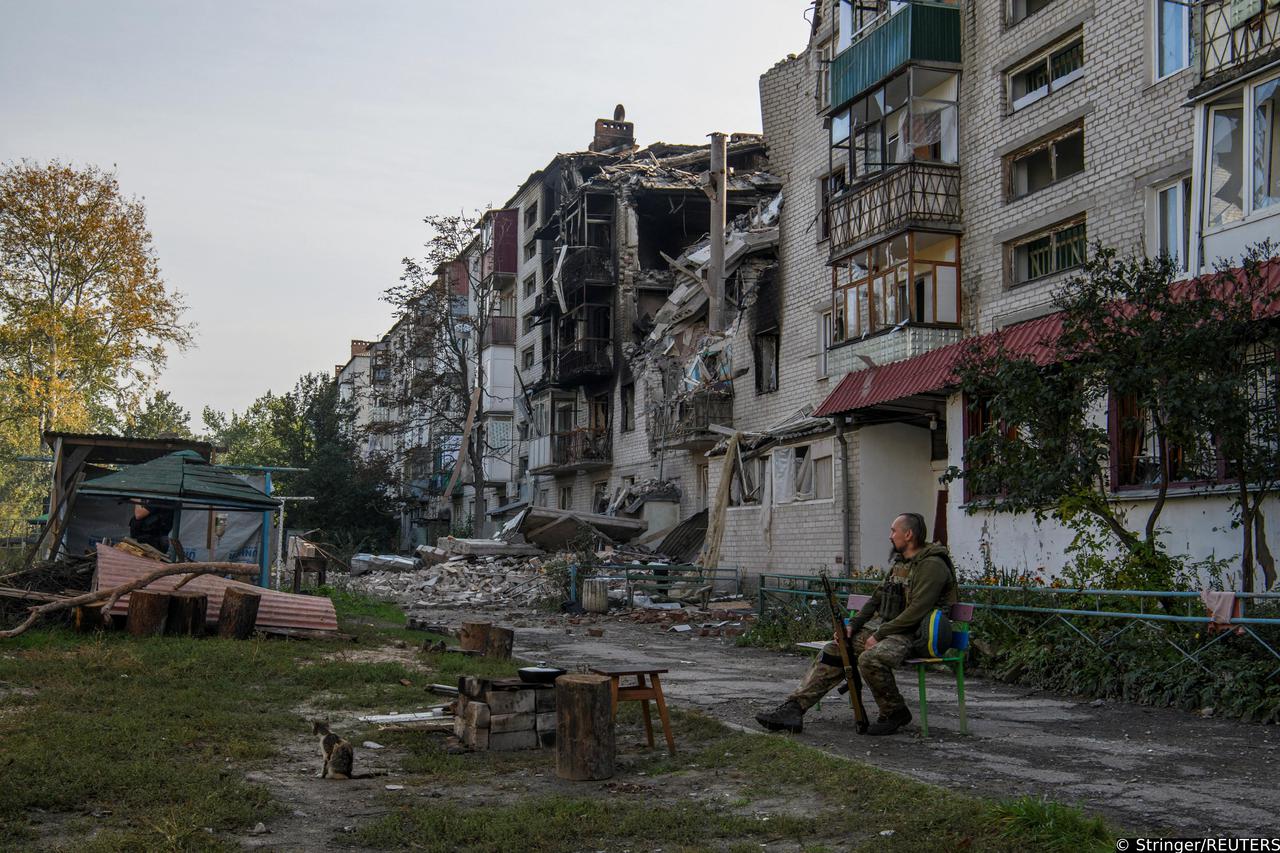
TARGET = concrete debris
x,y
462,581
364,563
487,547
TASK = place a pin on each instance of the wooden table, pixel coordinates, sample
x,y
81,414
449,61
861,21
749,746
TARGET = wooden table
x,y
642,693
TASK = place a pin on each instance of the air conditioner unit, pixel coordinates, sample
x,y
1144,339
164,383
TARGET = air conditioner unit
x,y
1240,11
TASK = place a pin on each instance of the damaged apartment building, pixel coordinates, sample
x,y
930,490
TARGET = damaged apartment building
x,y
618,379
946,166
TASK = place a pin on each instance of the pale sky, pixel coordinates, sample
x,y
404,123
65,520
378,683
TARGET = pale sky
x,y
287,151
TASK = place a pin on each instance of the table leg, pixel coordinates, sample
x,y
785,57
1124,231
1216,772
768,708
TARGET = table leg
x,y
613,694
644,710
662,713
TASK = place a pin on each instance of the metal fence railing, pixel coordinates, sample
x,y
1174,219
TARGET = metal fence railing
x,y
1261,610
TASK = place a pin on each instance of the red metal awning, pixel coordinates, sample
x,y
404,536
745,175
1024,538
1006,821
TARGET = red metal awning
x,y
933,371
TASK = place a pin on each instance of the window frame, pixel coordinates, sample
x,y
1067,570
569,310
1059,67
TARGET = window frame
x,y
1052,85
1012,19
1245,100
771,339
527,358
826,332
627,405
1157,27
1052,233
1182,188
1114,460
866,276
1050,142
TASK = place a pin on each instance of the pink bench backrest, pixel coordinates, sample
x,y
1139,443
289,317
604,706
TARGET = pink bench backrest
x,y
960,612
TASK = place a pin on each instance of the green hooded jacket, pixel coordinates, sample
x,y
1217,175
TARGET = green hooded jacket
x,y
924,582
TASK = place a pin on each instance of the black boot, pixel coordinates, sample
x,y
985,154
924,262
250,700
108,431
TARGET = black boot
x,y
787,717
890,723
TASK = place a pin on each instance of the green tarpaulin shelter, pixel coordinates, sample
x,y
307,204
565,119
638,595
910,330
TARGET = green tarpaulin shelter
x,y
184,478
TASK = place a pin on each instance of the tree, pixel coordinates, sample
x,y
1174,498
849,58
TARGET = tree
x,y
158,417
85,316
1162,360
309,427
443,307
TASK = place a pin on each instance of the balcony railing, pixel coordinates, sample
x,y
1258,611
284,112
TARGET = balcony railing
x,y
582,448
678,424
1236,35
912,194
499,331
915,32
583,267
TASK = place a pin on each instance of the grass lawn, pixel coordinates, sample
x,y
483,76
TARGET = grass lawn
x,y
112,743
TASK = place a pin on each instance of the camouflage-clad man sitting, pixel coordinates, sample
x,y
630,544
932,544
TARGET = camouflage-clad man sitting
x,y
884,631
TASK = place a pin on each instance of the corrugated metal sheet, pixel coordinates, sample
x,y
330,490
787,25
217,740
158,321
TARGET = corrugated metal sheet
x,y
932,371
276,610
920,32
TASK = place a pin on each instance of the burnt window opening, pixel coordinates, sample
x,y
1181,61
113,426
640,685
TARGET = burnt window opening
x,y
670,222
628,403
766,361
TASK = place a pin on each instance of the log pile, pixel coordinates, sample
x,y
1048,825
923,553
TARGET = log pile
x,y
504,714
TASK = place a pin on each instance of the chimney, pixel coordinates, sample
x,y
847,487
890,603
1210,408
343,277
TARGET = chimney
x,y
359,347
618,133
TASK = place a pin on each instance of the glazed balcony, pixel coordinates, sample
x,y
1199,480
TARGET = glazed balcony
x,y
685,423
910,195
581,449
1236,38
916,31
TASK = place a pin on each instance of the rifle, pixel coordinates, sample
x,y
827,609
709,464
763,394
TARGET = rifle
x,y
852,680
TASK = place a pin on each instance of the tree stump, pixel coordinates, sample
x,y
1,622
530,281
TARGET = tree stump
x,y
584,727
500,643
239,613
474,636
148,612
187,612
90,618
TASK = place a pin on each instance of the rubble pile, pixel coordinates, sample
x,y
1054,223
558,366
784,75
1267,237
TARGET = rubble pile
x,y
461,580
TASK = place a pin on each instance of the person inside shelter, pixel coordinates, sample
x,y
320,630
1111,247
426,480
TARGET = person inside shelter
x,y
151,524
885,632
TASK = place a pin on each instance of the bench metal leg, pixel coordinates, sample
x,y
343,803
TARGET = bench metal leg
x,y
964,722
924,703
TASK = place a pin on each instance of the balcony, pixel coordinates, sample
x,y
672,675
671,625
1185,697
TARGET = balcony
x,y
582,449
912,195
499,332
685,424
1236,38
500,252
585,268
583,360
914,32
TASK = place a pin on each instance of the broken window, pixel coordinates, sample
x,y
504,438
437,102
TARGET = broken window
x,y
914,277
628,402
1046,73
526,358
828,186
566,497
803,472
766,361
531,216
1018,10
747,485
1046,162
1054,250
600,496
914,116
530,286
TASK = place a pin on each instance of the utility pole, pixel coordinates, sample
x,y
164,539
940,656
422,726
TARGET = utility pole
x,y
717,191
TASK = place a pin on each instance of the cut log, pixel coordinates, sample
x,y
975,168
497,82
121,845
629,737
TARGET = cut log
x,y
584,727
89,618
474,636
148,613
500,643
187,613
239,612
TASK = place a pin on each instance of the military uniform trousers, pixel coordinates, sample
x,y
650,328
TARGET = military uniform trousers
x,y
876,665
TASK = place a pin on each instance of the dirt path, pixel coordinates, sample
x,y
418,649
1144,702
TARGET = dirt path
x,y
1146,768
